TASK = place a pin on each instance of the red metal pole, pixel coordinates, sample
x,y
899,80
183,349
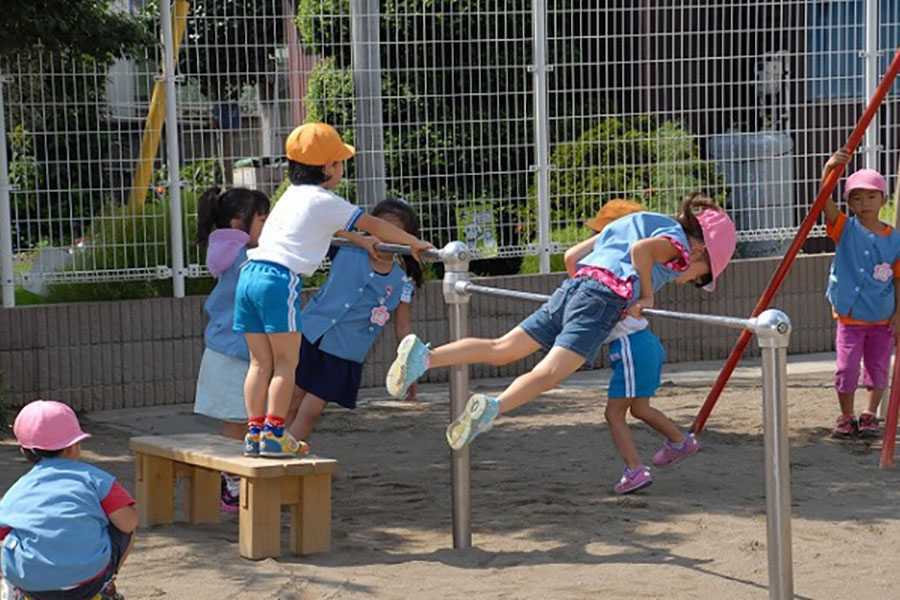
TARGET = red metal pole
x,y
787,262
890,424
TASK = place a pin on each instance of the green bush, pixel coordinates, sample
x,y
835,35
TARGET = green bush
x,y
655,162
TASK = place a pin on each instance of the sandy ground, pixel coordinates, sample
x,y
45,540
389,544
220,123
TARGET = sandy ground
x,y
545,522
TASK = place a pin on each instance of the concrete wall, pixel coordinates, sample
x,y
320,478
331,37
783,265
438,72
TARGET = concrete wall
x,y
146,352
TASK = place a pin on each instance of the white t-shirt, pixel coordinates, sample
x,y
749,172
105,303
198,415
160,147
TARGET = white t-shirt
x,y
626,326
299,229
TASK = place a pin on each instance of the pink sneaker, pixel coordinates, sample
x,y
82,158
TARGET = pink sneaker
x,y
633,480
671,453
844,427
867,426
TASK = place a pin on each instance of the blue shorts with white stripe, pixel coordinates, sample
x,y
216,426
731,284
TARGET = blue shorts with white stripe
x,y
267,299
637,361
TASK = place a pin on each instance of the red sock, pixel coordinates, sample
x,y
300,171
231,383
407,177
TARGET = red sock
x,y
274,421
255,423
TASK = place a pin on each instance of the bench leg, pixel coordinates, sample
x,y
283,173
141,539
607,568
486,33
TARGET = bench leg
x,y
260,518
311,517
155,489
205,493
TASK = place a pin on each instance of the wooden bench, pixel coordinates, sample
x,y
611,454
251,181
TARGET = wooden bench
x,y
304,485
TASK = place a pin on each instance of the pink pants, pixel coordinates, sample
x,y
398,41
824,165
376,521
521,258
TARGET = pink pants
x,y
871,343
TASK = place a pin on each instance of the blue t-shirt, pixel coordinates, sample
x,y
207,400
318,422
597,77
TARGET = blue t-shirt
x,y
612,248
59,534
861,280
219,334
353,306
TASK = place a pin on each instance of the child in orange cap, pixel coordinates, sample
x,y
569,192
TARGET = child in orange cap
x,y
65,526
293,243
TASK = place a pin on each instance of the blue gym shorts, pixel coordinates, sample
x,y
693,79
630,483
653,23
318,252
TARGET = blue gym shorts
x,y
578,316
637,361
267,299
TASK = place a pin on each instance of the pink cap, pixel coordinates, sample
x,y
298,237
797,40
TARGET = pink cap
x,y
865,179
47,425
720,239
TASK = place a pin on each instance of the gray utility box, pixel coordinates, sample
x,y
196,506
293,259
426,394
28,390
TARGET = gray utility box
x,y
759,170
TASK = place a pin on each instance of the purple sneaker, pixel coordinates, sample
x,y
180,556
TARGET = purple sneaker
x,y
633,480
671,453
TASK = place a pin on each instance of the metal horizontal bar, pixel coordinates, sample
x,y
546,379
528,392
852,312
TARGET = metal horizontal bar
x,y
467,287
428,255
730,322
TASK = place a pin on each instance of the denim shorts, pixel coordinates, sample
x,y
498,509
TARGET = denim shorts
x,y
267,299
578,316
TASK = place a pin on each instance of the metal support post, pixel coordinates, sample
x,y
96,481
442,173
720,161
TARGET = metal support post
x,y
541,130
173,161
365,53
871,81
773,342
456,269
6,249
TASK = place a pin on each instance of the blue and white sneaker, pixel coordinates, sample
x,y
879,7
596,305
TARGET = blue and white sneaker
x,y
476,418
276,442
410,364
251,442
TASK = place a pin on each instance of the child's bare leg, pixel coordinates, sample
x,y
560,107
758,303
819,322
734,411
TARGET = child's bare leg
x,y
846,402
875,397
616,408
285,354
256,384
311,407
641,409
550,372
513,346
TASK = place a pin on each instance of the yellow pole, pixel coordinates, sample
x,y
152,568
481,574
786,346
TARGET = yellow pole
x,y
155,116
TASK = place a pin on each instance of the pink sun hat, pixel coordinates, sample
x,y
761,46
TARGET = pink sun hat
x,y
865,179
47,425
720,239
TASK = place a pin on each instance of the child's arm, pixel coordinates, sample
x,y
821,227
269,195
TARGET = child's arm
x,y
402,328
577,252
644,254
366,242
125,519
389,233
841,157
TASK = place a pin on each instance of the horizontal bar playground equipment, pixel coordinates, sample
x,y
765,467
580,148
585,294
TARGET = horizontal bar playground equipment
x,y
772,329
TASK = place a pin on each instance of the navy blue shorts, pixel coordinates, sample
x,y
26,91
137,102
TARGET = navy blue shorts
x,y
331,378
578,316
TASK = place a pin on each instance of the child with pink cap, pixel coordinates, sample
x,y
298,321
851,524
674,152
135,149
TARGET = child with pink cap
x,y
862,289
616,272
65,526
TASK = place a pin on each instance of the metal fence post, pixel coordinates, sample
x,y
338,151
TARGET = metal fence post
x,y
456,269
173,161
541,167
871,81
773,338
365,52
6,249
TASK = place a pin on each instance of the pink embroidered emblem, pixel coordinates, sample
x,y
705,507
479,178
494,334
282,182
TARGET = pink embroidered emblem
x,y
380,315
882,272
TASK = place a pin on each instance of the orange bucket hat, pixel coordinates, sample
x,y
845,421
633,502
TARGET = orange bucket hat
x,y
316,144
611,211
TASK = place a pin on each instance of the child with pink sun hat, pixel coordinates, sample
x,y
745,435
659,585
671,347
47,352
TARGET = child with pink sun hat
x,y
65,526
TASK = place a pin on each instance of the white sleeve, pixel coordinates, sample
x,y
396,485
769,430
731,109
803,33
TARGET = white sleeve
x,y
341,215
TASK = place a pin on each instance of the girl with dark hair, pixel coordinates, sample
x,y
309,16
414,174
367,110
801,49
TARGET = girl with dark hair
x,y
228,223
343,320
